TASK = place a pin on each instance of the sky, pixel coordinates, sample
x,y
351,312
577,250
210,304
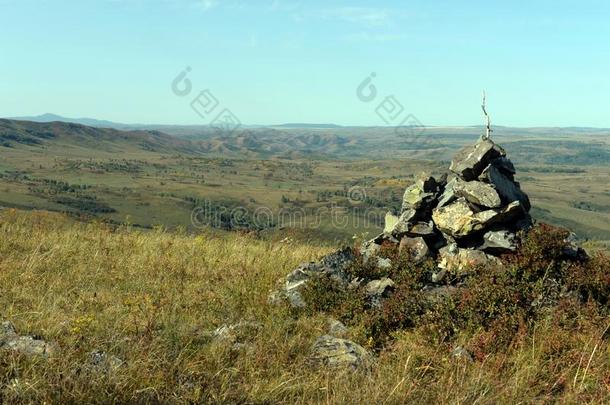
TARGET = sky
x,y
541,63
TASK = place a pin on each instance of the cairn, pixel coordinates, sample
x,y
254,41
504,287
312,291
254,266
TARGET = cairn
x,y
467,218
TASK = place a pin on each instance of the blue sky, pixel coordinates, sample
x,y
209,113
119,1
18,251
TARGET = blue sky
x,y
542,63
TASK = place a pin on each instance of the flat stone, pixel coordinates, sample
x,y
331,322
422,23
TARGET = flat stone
x,y
421,229
336,352
29,345
379,287
448,195
470,161
477,192
417,247
499,241
506,188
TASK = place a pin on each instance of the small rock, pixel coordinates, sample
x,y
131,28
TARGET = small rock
x,y
339,353
460,353
29,345
378,289
420,195
102,361
499,241
463,260
384,263
416,246
337,328
398,225
448,195
425,229
7,331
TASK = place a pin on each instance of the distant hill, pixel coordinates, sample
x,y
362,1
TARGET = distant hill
x,y
14,133
92,122
305,125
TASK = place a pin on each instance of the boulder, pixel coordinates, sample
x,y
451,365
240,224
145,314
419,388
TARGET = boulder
x,y
417,247
335,352
506,188
470,161
477,192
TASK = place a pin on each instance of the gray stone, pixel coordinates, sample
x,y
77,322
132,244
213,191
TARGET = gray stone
x,y
462,354
28,345
421,229
420,195
101,361
399,225
335,352
337,328
448,195
499,241
384,263
378,289
7,332
436,295
470,161
417,247
333,265
505,187
460,219
462,260
478,193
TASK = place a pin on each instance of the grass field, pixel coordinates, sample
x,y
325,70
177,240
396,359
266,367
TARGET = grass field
x,y
150,298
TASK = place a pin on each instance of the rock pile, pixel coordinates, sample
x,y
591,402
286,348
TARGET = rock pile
x,y
466,218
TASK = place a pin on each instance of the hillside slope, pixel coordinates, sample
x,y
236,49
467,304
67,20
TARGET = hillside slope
x,y
150,301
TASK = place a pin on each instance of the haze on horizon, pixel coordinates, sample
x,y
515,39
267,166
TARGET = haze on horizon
x,y
542,63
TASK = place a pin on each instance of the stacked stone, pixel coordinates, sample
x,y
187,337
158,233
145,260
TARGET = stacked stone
x,y
468,217
461,220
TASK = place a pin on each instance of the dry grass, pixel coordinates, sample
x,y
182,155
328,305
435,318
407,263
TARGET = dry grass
x,y
149,297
